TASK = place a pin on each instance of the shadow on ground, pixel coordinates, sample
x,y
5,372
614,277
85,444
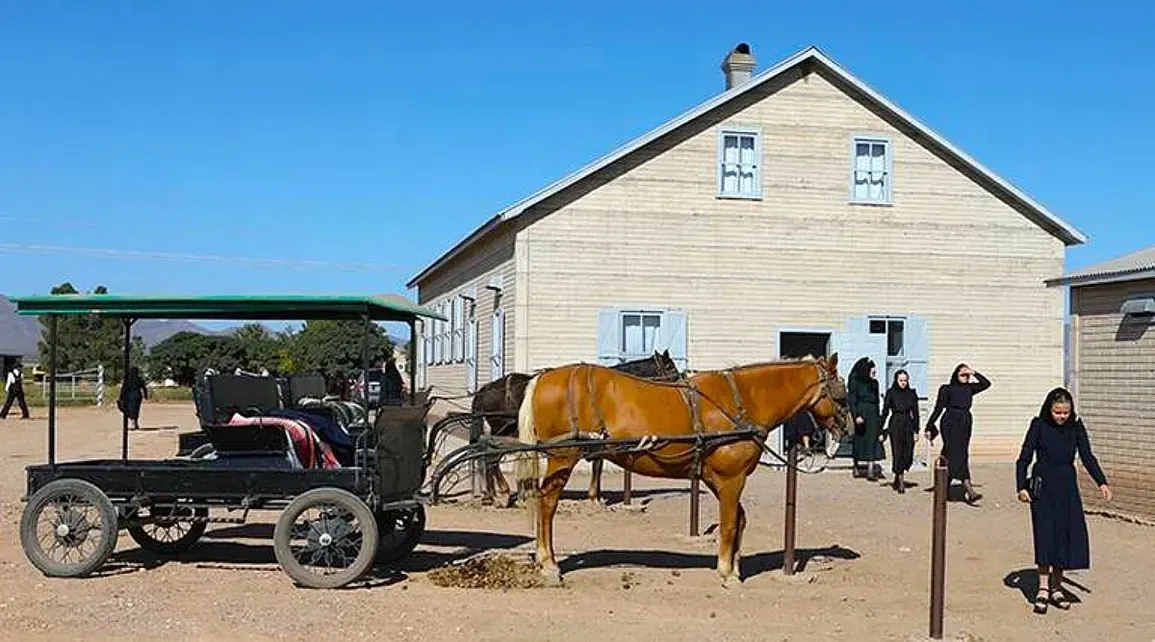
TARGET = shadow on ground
x,y
752,565
1026,581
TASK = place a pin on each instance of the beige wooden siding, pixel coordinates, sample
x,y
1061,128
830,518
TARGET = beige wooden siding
x,y
946,249
1115,371
473,270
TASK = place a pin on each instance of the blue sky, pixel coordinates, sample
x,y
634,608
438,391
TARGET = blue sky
x,y
371,136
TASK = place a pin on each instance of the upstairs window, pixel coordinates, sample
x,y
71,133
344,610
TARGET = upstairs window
x,y
740,163
870,180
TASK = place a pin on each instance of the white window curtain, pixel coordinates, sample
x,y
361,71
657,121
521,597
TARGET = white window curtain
x,y
870,171
640,333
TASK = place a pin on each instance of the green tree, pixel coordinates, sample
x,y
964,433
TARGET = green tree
x,y
184,355
334,348
86,341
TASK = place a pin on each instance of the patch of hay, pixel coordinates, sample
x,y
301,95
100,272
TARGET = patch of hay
x,y
494,571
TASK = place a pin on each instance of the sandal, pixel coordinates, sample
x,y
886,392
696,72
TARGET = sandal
x,y
1061,598
1041,600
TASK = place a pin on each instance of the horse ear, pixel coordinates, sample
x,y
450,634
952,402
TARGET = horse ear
x,y
832,363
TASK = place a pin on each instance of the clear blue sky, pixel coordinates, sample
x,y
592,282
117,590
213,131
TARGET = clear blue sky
x,y
379,133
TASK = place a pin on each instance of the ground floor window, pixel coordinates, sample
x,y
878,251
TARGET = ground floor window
x,y
628,333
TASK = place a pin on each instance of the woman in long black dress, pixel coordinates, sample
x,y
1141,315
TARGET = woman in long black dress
x,y
954,406
862,399
133,392
1060,528
901,405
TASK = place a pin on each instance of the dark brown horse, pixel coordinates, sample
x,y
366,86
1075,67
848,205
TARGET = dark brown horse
x,y
497,403
591,401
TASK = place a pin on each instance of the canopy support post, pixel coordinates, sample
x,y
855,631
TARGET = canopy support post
x,y
52,369
123,380
412,359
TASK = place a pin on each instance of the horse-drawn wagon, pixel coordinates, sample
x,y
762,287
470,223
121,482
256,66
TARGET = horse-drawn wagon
x,y
345,501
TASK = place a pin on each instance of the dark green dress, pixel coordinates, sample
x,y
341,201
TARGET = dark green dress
x,y
862,398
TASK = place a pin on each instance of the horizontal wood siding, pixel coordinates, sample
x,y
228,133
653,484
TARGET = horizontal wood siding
x,y
1115,393
802,256
473,269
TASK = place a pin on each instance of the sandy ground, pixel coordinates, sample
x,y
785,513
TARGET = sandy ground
x,y
631,573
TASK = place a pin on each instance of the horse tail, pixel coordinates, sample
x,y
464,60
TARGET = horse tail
x,y
527,468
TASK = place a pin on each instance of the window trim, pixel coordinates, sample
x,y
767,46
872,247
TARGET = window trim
x,y
888,188
738,130
887,319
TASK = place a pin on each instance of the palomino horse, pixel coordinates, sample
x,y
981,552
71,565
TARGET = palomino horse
x,y
497,403
579,401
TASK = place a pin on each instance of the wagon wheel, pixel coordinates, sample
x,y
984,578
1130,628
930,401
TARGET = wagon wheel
x,y
68,528
400,532
201,451
164,533
325,538
812,461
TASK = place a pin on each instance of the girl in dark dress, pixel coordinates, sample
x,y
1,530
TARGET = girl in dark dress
x,y
954,406
862,399
1060,528
901,404
133,392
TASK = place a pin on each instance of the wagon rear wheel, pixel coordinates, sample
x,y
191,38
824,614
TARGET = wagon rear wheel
x,y
165,533
68,528
401,531
325,538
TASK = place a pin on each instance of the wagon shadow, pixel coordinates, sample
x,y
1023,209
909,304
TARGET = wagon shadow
x,y
1027,582
752,565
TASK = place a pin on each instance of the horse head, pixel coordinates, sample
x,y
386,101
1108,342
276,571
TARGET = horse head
x,y
667,367
829,408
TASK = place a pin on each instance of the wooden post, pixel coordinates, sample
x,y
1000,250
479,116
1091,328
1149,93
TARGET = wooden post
x,y
627,487
791,504
938,550
695,490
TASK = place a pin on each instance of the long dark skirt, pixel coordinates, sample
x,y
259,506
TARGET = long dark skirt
x,y
1057,521
867,446
956,443
902,431
130,406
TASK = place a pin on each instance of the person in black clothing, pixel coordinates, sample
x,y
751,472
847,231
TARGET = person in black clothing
x,y
133,392
14,391
799,429
1060,528
901,404
954,406
862,399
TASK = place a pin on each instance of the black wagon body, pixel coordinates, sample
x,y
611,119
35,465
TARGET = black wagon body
x,y
335,520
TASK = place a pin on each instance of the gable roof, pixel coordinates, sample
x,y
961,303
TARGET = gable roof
x,y
1034,210
1129,267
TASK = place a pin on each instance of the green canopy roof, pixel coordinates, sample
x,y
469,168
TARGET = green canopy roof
x,y
227,307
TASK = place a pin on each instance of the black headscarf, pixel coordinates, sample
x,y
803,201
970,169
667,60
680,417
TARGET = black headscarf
x,y
954,380
1056,395
861,369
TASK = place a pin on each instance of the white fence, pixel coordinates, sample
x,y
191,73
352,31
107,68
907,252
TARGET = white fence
x,y
79,385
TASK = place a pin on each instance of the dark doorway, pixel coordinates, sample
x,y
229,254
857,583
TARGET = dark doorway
x,y
795,345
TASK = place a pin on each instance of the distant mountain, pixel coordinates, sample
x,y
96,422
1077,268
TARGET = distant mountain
x,y
21,335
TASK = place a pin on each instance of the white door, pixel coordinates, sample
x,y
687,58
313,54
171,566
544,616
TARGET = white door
x,y
497,346
471,354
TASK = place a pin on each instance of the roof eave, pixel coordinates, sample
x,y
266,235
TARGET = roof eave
x,y
478,234
1104,278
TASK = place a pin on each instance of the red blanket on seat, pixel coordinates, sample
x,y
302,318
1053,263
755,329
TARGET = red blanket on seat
x,y
309,449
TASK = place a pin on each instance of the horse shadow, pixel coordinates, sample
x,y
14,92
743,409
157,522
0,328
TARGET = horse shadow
x,y
1026,580
612,497
752,565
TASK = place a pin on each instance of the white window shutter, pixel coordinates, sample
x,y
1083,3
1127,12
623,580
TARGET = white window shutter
x,y
609,337
673,337
917,347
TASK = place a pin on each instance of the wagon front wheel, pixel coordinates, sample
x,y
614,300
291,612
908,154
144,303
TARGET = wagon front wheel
x,y
68,528
325,538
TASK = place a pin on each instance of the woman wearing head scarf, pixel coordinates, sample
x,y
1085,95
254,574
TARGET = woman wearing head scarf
x,y
862,398
901,404
133,392
954,406
1060,529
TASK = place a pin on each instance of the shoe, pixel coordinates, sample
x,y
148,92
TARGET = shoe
x,y
1041,599
1061,598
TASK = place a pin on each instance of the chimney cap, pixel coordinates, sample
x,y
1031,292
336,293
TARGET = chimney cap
x,y
742,48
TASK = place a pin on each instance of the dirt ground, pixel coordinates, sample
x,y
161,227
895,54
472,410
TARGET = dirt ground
x,y
630,573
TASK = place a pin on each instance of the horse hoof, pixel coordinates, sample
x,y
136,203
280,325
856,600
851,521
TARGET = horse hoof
x,y
732,581
551,577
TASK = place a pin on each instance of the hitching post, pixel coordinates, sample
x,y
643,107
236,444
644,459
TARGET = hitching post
x,y
791,504
627,487
938,550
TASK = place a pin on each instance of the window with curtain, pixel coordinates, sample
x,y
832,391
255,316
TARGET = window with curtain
x,y
640,333
871,173
739,164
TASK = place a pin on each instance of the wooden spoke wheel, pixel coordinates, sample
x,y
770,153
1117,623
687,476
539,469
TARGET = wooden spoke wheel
x,y
400,532
325,538
68,528
165,533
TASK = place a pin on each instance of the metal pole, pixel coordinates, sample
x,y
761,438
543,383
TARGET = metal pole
x,y
123,381
695,491
791,505
365,363
938,550
412,357
627,487
52,319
